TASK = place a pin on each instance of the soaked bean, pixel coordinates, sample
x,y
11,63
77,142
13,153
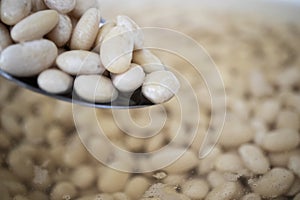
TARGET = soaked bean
x,y
195,189
160,86
107,182
226,191
294,164
274,183
85,32
74,153
254,159
207,164
251,196
147,60
288,119
83,176
215,178
281,140
35,26
55,81
130,80
95,88
63,190
185,163
80,62
34,130
5,39
62,32
61,6
33,57
136,187
13,11
229,162
116,50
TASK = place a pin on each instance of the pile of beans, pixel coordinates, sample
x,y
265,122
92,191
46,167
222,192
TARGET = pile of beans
x,y
61,43
257,156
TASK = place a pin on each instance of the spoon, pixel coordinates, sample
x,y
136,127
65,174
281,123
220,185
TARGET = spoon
x,y
135,100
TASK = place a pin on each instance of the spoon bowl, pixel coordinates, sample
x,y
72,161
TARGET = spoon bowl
x,y
124,101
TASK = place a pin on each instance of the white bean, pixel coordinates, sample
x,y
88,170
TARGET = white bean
x,y
95,88
32,57
33,129
274,183
207,164
38,5
133,27
112,180
251,196
55,81
185,163
160,86
35,26
83,176
295,188
226,191
85,32
74,153
130,80
254,159
294,164
82,6
63,190
288,119
5,39
116,50
80,62
103,31
61,6
237,129
147,60
12,11
195,189
215,178
136,187
281,140
61,33
229,162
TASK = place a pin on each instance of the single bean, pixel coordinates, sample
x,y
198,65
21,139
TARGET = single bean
x,y
130,80
185,163
95,88
5,39
116,50
160,86
229,162
32,57
61,33
63,190
35,26
251,196
294,164
226,191
254,159
103,31
112,180
64,7
82,6
55,81
195,189
136,187
80,62
281,140
134,28
85,32
83,176
13,11
147,60
38,5
274,183
215,178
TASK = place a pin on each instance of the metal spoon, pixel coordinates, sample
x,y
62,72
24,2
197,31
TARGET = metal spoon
x,y
135,100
